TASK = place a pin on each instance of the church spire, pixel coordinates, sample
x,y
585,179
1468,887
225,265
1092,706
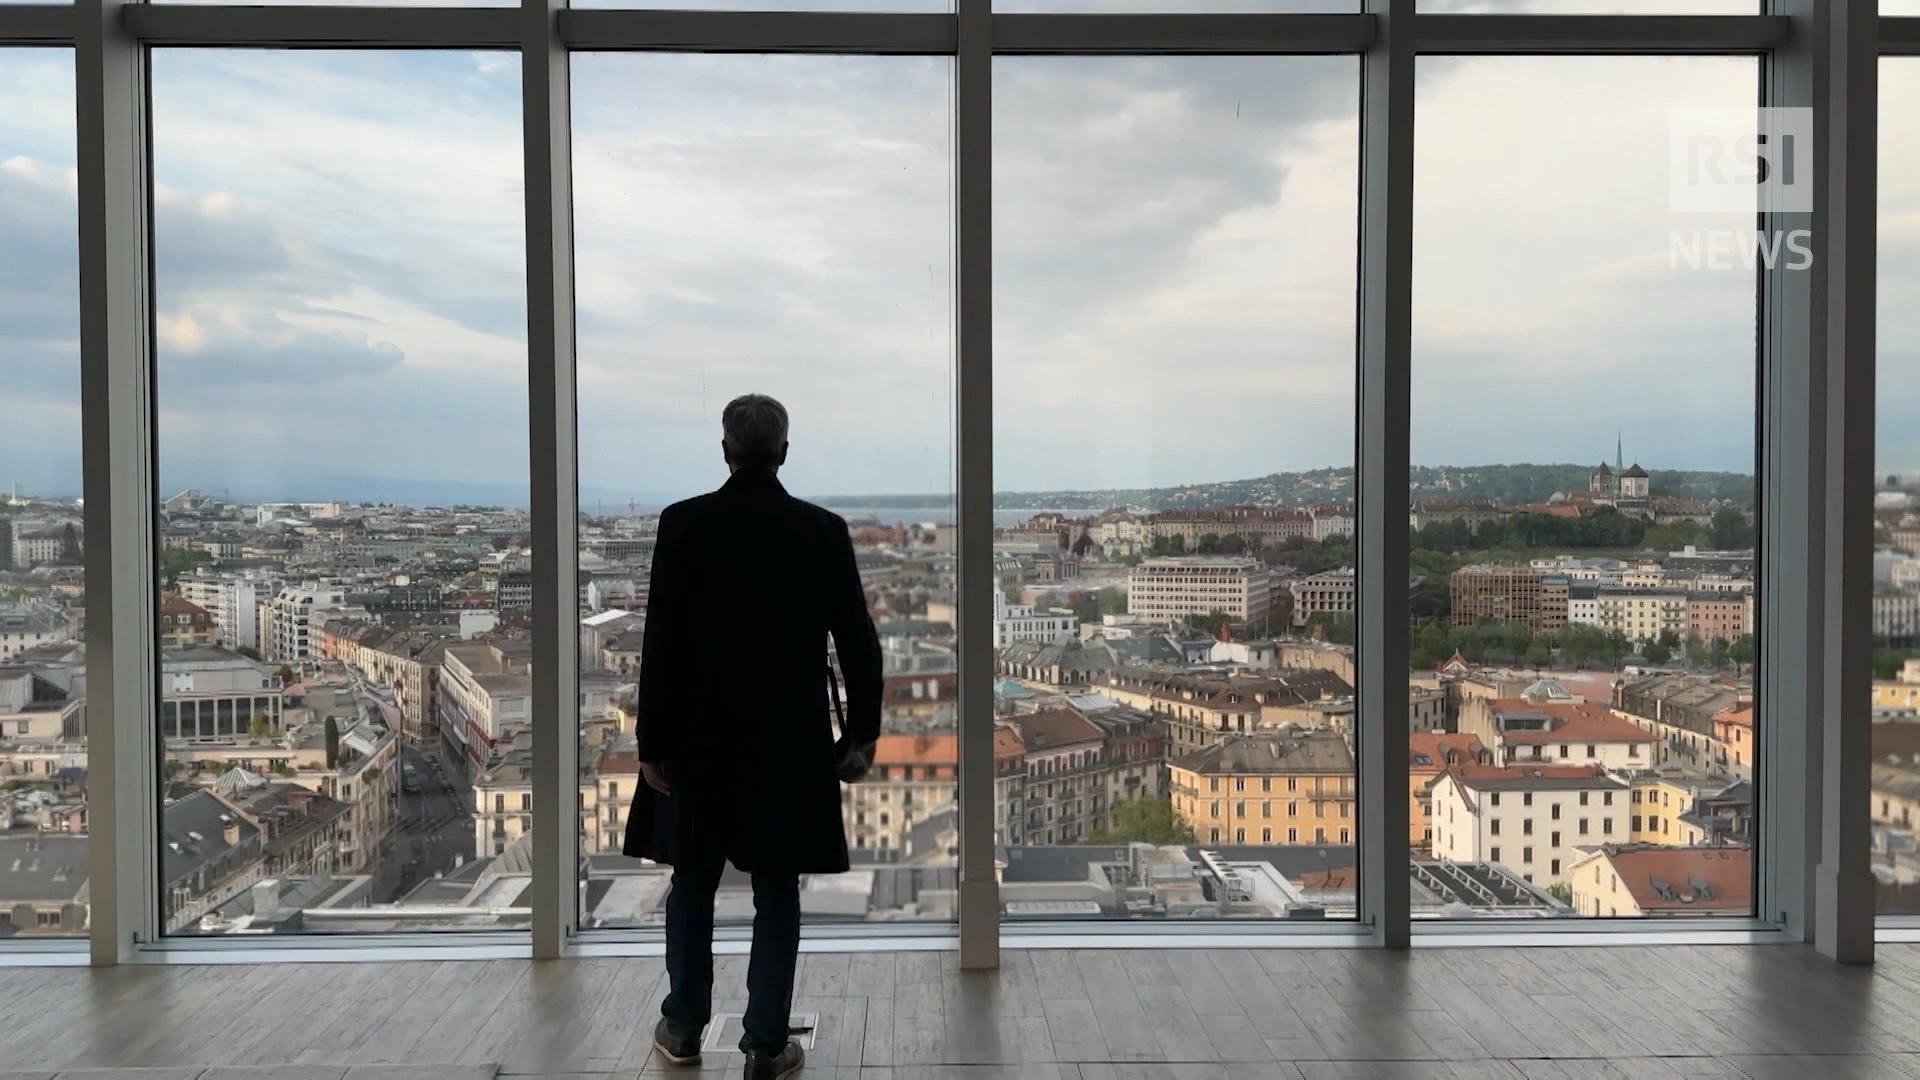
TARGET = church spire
x,y
1619,453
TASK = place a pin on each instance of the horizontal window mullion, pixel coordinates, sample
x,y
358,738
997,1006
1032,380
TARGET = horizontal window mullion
x,y
1611,34
1044,35
322,26
1899,36
36,24
595,30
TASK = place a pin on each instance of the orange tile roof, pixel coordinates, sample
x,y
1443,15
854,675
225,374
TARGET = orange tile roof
x,y
1727,873
1440,748
917,750
1007,744
1575,722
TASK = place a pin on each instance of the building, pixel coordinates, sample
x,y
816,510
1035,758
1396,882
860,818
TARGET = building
x,y
184,624
26,626
1173,588
1717,616
234,603
37,547
1534,819
1509,593
1067,778
291,623
1896,614
1330,593
209,693
485,687
1025,623
1637,880
1428,755
913,778
1202,708
1267,788
1256,526
1565,732
1642,614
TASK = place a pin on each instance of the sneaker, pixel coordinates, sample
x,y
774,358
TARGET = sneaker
x,y
762,1065
678,1047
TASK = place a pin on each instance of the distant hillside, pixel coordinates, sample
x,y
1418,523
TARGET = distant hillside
x,y
1506,483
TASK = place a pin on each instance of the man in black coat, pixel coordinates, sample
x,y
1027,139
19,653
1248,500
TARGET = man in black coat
x,y
735,738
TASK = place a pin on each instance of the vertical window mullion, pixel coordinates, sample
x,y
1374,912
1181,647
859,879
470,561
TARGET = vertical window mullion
x,y
973,283
1385,373
112,158
552,476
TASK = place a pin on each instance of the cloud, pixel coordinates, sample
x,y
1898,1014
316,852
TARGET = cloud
x,y
340,270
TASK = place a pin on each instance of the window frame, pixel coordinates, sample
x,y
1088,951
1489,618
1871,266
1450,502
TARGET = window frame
x,y
1812,766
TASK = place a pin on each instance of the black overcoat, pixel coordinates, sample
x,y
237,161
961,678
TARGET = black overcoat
x,y
748,584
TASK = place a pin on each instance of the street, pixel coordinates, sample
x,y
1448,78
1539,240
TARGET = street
x,y
432,827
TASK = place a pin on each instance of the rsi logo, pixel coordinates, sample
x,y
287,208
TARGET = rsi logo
x,y
1740,161
1714,160
1739,249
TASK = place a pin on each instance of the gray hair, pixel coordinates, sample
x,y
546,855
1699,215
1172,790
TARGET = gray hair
x,y
754,429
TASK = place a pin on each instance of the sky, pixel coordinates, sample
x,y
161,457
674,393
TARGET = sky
x,y
341,297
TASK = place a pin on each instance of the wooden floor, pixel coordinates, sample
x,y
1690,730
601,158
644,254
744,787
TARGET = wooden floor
x,y
1727,1011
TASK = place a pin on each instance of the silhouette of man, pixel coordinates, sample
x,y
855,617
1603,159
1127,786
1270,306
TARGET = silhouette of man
x,y
735,740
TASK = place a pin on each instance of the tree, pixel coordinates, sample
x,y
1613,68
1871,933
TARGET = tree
x,y
1741,651
333,743
248,651
260,726
1699,654
284,673
1730,530
1146,821
70,545
1562,892
1657,652
1539,654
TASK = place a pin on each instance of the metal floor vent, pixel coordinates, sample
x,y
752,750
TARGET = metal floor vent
x,y
723,1035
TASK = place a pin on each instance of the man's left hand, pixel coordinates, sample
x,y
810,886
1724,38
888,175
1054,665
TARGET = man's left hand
x,y
655,774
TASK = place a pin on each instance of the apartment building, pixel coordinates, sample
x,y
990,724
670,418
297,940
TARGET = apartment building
x,y
1332,592
291,623
1172,588
1509,592
208,693
913,778
26,626
1009,785
1065,797
1428,755
234,603
1566,732
36,547
485,687
1280,787
1717,616
1200,709
1643,614
1534,819
1679,711
41,705
1631,881
1258,526
1027,623
183,623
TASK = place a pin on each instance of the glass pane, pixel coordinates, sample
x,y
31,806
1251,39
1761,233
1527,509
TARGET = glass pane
x,y
43,857
776,225
1173,7
1174,433
904,6
1588,7
1896,561
1582,529
341,374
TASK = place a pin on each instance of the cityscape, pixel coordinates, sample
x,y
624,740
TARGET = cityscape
x,y
345,711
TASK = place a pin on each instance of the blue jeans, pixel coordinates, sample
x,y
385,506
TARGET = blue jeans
x,y
776,952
